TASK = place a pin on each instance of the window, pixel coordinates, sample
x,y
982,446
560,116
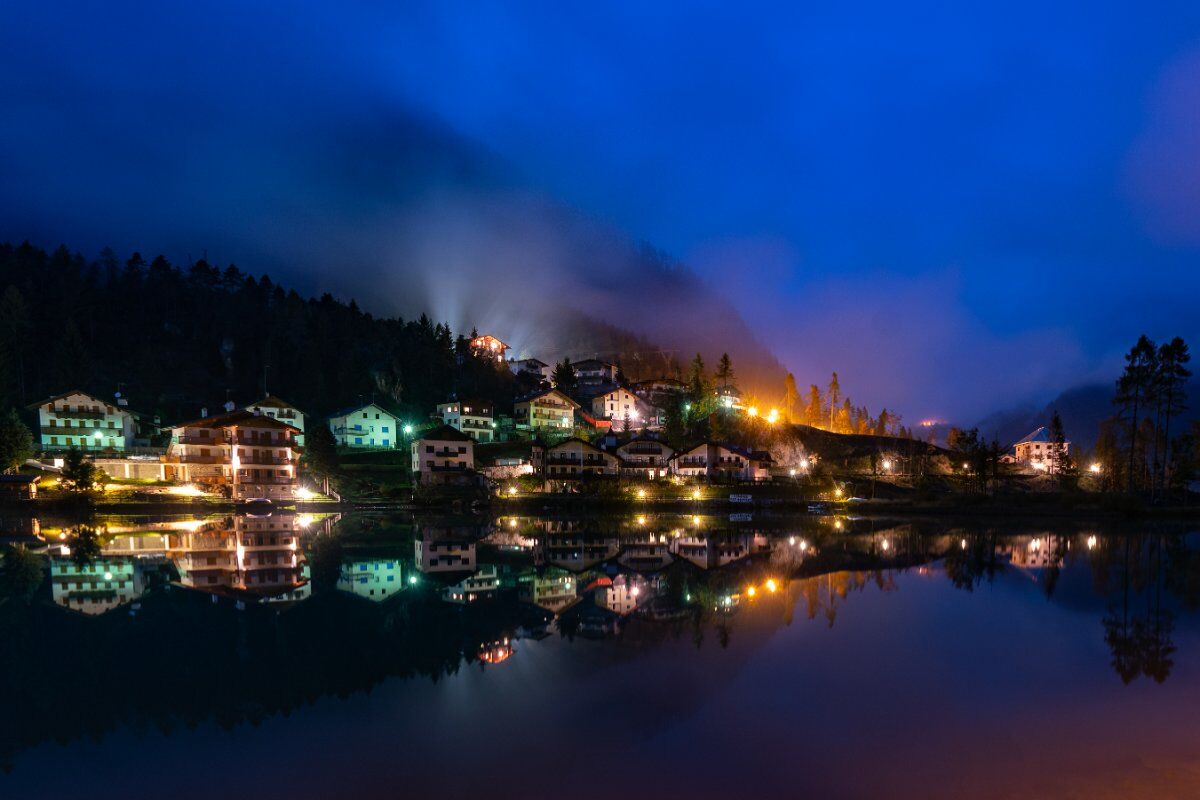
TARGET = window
x,y
358,440
428,448
384,429
385,443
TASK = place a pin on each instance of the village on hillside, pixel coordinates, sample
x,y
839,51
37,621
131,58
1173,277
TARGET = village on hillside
x,y
580,427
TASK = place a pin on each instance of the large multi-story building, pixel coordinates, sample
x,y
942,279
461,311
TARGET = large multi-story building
x,y
241,455
472,417
80,420
645,456
531,366
722,462
595,372
548,409
625,409
490,347
272,406
365,426
256,555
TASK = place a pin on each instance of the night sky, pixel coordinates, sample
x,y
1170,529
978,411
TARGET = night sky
x,y
957,209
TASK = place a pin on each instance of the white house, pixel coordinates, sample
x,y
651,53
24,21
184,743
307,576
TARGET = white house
x,y
365,426
532,366
548,409
1037,450
77,419
472,417
594,371
483,583
722,461
436,552
643,455
375,579
574,458
272,406
442,455
621,405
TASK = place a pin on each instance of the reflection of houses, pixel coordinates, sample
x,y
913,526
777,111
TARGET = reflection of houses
x,y
576,551
472,417
482,584
96,587
645,456
255,555
76,419
443,456
374,578
717,550
1037,450
444,552
546,409
645,553
1035,552
241,455
574,458
722,462
365,426
553,590
623,594
272,406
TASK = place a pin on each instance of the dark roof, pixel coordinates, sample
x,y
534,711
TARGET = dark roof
x,y
235,418
530,360
591,363
444,433
18,479
272,401
1042,434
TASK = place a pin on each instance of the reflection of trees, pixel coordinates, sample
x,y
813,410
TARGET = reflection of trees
x,y
85,544
21,574
325,562
1141,644
973,561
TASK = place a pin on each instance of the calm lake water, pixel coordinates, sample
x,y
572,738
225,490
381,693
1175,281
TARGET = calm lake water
x,y
655,656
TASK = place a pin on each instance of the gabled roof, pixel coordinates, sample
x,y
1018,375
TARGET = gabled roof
x,y
472,402
591,363
443,433
271,401
529,398
19,478
583,442
234,419
530,360
1042,434
92,395
347,411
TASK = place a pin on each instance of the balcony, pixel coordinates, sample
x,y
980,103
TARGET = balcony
x,y
250,459
63,413
203,441
105,433
188,458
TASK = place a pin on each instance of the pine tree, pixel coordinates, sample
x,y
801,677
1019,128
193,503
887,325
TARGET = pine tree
x,y
1061,463
1172,379
1134,394
813,414
791,399
834,397
16,442
564,377
320,454
697,380
724,371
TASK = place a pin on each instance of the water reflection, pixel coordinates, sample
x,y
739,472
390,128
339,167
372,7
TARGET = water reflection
x,y
299,606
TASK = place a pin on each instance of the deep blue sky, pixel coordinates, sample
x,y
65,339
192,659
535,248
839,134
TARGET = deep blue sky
x,y
957,208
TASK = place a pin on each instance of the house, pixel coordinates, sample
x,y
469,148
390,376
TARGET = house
x,y
729,396
553,590
593,371
272,406
482,584
365,426
472,417
574,458
647,456
576,550
532,366
489,347
241,455
18,487
1037,450
100,585
717,461
500,461
374,579
443,455
243,555
78,419
622,594
660,392
443,551
546,409
625,409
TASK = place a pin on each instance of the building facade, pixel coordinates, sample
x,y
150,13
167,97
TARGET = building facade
x,y
84,421
645,456
442,455
1037,450
369,426
472,417
240,455
272,406
575,458
549,409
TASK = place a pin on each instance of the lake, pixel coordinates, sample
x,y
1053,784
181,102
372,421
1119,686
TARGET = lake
x,y
386,655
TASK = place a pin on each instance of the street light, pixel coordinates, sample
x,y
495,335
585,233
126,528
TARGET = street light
x,y
408,429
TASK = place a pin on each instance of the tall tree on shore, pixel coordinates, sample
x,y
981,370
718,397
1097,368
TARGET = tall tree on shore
x,y
1173,373
791,399
697,380
320,454
1061,463
812,412
1134,393
16,442
834,396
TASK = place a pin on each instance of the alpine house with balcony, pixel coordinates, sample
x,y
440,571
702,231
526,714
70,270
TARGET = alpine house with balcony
x,y
241,455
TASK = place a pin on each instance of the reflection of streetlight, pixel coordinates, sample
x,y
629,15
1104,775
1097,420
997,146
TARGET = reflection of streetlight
x,y
695,494
1091,542
1095,468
